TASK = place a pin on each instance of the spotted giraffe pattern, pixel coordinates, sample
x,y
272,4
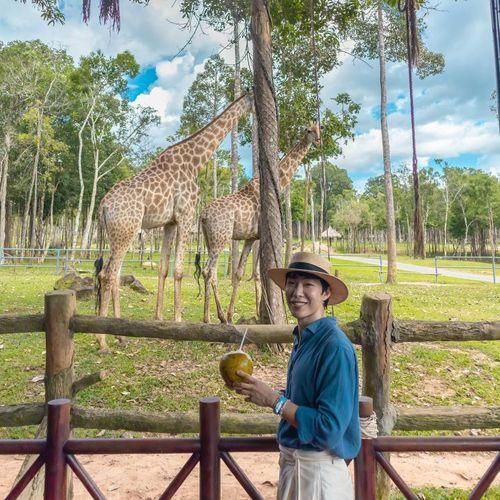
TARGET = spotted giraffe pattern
x,y
165,195
236,217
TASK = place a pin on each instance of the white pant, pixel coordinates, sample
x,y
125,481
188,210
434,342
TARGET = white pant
x,y
313,475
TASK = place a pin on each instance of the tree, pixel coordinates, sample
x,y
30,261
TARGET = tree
x,y
271,310
382,34
32,81
108,126
386,152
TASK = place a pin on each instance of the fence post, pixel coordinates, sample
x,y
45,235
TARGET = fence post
x,y
376,314
60,307
365,464
380,269
436,267
58,430
209,452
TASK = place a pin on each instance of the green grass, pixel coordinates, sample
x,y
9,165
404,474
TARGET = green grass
x,y
447,494
157,375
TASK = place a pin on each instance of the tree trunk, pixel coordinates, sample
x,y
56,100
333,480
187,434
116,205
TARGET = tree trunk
x,y
80,177
271,310
389,197
288,225
418,229
4,171
234,135
34,208
306,210
313,223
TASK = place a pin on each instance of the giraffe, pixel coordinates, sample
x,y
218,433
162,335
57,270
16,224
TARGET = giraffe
x,y
236,216
165,195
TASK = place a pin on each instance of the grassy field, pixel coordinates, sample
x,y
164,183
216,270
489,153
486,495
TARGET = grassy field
x,y
165,375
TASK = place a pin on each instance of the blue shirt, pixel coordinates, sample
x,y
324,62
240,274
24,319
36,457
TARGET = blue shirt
x,y
322,380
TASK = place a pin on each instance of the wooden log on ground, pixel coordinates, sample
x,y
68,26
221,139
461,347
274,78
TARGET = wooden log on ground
x,y
22,324
447,418
439,331
231,334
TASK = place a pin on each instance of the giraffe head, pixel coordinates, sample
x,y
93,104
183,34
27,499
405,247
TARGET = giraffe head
x,y
313,134
249,101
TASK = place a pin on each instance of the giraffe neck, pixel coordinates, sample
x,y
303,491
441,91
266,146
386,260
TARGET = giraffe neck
x,y
204,143
290,163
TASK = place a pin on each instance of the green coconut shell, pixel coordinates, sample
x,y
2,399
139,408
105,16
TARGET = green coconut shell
x,y
233,361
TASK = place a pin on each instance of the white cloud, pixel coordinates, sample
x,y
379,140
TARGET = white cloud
x,y
437,139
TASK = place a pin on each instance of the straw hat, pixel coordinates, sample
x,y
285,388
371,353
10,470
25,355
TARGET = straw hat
x,y
310,263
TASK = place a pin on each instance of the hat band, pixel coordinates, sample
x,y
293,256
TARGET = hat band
x,y
304,266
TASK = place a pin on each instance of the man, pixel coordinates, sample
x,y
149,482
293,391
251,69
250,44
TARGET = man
x,y
319,427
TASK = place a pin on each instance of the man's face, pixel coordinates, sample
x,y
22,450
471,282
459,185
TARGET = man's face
x,y
305,297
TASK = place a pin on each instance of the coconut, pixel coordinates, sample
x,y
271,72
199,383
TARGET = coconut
x,y
233,361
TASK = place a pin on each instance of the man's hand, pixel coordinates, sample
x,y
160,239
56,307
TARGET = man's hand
x,y
256,391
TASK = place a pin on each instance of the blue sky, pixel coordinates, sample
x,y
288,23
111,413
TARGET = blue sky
x,y
453,116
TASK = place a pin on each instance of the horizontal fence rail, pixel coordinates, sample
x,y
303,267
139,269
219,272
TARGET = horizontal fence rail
x,y
403,330
58,452
406,419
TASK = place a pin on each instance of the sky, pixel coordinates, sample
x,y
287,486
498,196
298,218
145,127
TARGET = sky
x,y
453,117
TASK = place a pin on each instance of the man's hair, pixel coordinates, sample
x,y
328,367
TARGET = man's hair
x,y
300,274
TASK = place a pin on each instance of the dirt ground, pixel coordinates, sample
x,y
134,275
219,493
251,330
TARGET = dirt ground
x,y
145,477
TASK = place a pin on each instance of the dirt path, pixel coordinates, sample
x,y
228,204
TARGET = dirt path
x,y
420,269
145,477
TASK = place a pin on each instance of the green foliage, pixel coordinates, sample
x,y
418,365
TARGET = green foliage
x,y
49,10
364,30
207,96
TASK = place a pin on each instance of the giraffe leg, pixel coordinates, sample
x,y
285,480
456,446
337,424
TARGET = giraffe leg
x,y
220,311
237,277
168,236
180,243
109,278
208,271
257,282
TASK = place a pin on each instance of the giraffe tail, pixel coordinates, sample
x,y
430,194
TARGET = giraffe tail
x,y
197,270
99,263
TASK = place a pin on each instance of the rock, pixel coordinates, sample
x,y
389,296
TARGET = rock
x,y
126,279
148,264
137,286
84,287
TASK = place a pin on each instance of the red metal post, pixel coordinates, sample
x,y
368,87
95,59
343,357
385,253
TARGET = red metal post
x,y
58,430
365,465
209,452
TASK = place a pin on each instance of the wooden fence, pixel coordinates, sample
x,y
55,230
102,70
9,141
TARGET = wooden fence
x,y
376,330
58,452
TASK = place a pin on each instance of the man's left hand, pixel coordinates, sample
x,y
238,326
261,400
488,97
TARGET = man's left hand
x,y
255,390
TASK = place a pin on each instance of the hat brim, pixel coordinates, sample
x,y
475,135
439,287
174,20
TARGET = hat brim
x,y
337,286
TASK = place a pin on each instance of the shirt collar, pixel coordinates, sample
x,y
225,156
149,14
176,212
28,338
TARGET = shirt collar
x,y
312,328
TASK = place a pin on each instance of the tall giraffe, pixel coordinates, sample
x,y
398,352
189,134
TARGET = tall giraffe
x,y
236,216
163,195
